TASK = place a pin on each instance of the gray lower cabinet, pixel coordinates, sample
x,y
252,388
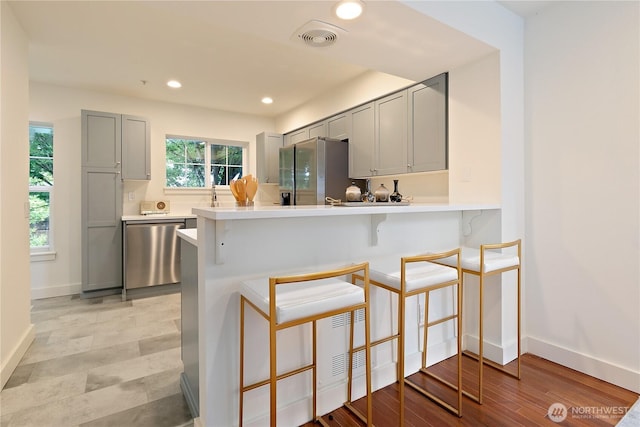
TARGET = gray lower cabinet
x,y
101,228
190,378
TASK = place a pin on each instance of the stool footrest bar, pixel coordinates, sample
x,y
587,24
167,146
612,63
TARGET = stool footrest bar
x,y
433,397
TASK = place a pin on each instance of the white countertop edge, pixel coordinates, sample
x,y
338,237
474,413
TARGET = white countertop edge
x,y
159,217
263,212
189,234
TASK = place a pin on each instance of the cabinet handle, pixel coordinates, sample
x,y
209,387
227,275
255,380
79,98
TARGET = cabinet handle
x,y
117,163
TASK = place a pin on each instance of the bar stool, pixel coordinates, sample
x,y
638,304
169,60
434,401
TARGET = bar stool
x,y
489,260
294,300
415,275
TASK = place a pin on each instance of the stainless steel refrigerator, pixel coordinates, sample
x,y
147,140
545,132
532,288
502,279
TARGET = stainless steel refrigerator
x,y
312,170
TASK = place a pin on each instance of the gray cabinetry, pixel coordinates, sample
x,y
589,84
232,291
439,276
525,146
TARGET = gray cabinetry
x,y
114,147
268,145
136,150
101,229
318,129
338,127
297,136
427,139
390,138
361,141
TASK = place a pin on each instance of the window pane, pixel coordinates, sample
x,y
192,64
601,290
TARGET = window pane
x,y
195,152
185,162
233,171
185,166
39,218
40,155
219,175
235,155
218,154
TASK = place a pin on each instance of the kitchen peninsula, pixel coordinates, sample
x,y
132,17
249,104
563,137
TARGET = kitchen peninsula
x,y
234,244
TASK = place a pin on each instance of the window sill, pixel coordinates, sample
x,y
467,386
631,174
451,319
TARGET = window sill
x,y
220,189
43,256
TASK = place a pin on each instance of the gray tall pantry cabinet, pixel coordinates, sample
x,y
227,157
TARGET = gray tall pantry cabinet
x,y
114,147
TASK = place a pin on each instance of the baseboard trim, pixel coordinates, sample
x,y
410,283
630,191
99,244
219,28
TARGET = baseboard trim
x,y
56,291
598,368
9,365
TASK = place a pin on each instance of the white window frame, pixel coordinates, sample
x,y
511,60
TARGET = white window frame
x,y
44,253
207,163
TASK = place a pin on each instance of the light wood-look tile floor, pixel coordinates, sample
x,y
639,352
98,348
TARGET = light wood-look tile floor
x,y
99,362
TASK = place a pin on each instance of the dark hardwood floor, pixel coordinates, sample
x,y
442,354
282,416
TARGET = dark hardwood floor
x,y
507,401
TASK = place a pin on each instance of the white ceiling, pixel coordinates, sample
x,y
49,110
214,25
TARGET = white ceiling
x,y
229,54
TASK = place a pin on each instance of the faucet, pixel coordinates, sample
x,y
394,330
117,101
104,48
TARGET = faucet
x,y
214,196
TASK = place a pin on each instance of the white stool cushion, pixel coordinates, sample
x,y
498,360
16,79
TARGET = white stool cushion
x,y
418,274
470,260
298,300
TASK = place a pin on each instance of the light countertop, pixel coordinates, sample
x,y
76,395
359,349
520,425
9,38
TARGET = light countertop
x,y
271,211
189,234
157,217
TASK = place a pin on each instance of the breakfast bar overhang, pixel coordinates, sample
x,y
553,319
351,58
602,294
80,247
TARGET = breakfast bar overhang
x,y
237,243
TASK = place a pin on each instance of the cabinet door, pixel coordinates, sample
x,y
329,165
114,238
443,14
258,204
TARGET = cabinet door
x,y
337,127
297,136
428,125
268,146
101,225
391,134
318,129
101,230
101,140
136,150
361,141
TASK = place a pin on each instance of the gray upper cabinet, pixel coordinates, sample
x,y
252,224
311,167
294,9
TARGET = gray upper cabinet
x,y
400,133
361,141
268,146
136,148
296,136
101,140
101,225
338,126
427,143
390,139
318,129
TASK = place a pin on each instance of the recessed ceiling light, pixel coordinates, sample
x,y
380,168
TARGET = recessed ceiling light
x,y
267,100
174,84
349,9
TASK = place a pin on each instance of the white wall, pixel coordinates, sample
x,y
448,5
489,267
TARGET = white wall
x,y
61,107
16,330
582,102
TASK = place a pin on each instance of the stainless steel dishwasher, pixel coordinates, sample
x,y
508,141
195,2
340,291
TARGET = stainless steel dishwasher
x,y
151,253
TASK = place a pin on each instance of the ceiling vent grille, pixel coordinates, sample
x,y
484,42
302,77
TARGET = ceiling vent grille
x,y
318,34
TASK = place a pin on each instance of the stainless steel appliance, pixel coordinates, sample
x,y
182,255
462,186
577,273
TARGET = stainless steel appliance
x,y
314,169
152,253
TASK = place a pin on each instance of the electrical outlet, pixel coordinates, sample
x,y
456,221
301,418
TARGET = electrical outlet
x,y
132,195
